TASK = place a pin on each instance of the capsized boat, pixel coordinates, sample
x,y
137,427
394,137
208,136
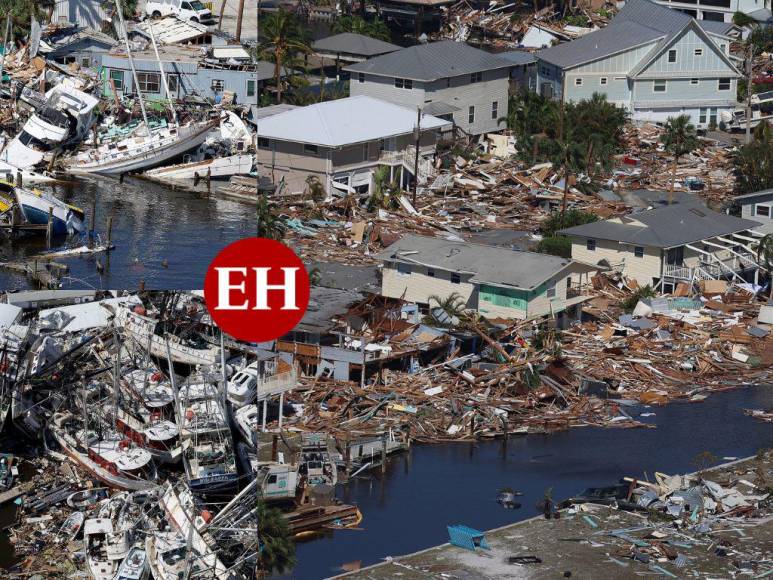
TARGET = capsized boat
x,y
71,526
143,151
240,164
63,116
36,206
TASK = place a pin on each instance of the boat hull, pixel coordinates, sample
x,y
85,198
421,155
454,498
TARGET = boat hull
x,y
217,167
187,141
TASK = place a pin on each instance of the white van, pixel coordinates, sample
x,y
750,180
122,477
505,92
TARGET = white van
x,y
188,10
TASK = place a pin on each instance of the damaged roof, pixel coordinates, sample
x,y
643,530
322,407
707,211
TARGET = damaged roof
x,y
429,62
344,122
664,227
488,264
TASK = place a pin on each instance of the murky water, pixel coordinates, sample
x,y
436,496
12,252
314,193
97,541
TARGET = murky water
x,y
163,237
408,508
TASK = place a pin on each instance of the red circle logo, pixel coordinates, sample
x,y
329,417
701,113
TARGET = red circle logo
x,y
256,289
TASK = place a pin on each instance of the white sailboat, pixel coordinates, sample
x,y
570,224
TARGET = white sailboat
x,y
144,151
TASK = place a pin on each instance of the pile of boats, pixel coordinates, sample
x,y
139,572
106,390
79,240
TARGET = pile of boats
x,y
157,416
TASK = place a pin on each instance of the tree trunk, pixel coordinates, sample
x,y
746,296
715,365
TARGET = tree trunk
x,y
220,16
239,17
278,74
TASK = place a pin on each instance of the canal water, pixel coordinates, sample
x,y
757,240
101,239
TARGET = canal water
x,y
432,486
163,237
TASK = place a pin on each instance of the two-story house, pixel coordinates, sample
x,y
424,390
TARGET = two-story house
x,y
662,247
654,61
497,282
448,79
721,10
342,143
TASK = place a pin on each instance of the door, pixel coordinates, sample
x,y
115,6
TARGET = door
x,y
675,256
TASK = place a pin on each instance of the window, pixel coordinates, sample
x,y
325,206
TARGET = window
x,y
702,117
603,80
86,62
763,210
149,82
173,81
403,83
713,116
698,52
724,85
456,279
361,77
117,77
659,87
551,291
218,85
313,149
694,81
430,272
263,143
495,110
712,16
403,269
590,245
471,115
185,6
723,48
476,77
672,55
251,86
638,251
578,82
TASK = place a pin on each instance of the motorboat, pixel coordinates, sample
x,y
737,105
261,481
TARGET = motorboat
x,y
134,566
266,377
97,532
36,207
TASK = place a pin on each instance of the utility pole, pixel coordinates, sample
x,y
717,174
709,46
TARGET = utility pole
x,y
220,16
749,62
565,146
417,140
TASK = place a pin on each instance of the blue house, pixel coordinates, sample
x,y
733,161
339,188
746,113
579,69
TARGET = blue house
x,y
654,61
189,72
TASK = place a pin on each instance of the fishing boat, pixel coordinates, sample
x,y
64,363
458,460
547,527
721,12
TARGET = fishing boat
x,y
63,116
268,376
115,462
150,388
97,532
134,566
36,206
316,462
246,421
71,526
167,556
143,330
143,151
208,449
160,438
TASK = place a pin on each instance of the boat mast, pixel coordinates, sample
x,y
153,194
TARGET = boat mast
x,y
163,74
131,64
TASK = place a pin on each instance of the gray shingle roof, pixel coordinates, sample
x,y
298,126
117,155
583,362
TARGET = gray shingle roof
x,y
518,57
429,62
664,227
357,44
489,264
639,22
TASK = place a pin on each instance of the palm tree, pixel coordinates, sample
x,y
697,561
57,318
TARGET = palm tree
x,y
679,139
283,37
765,256
452,305
276,550
269,225
376,28
754,162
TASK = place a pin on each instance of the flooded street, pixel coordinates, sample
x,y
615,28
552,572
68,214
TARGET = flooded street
x,y
437,485
163,237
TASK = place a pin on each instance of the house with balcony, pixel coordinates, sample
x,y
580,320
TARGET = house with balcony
x,y
496,282
653,61
343,142
451,80
668,245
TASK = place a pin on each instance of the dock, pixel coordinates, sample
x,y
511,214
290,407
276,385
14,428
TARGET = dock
x,y
44,273
311,518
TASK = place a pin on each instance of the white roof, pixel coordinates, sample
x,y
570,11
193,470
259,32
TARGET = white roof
x,y
171,29
344,122
88,315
